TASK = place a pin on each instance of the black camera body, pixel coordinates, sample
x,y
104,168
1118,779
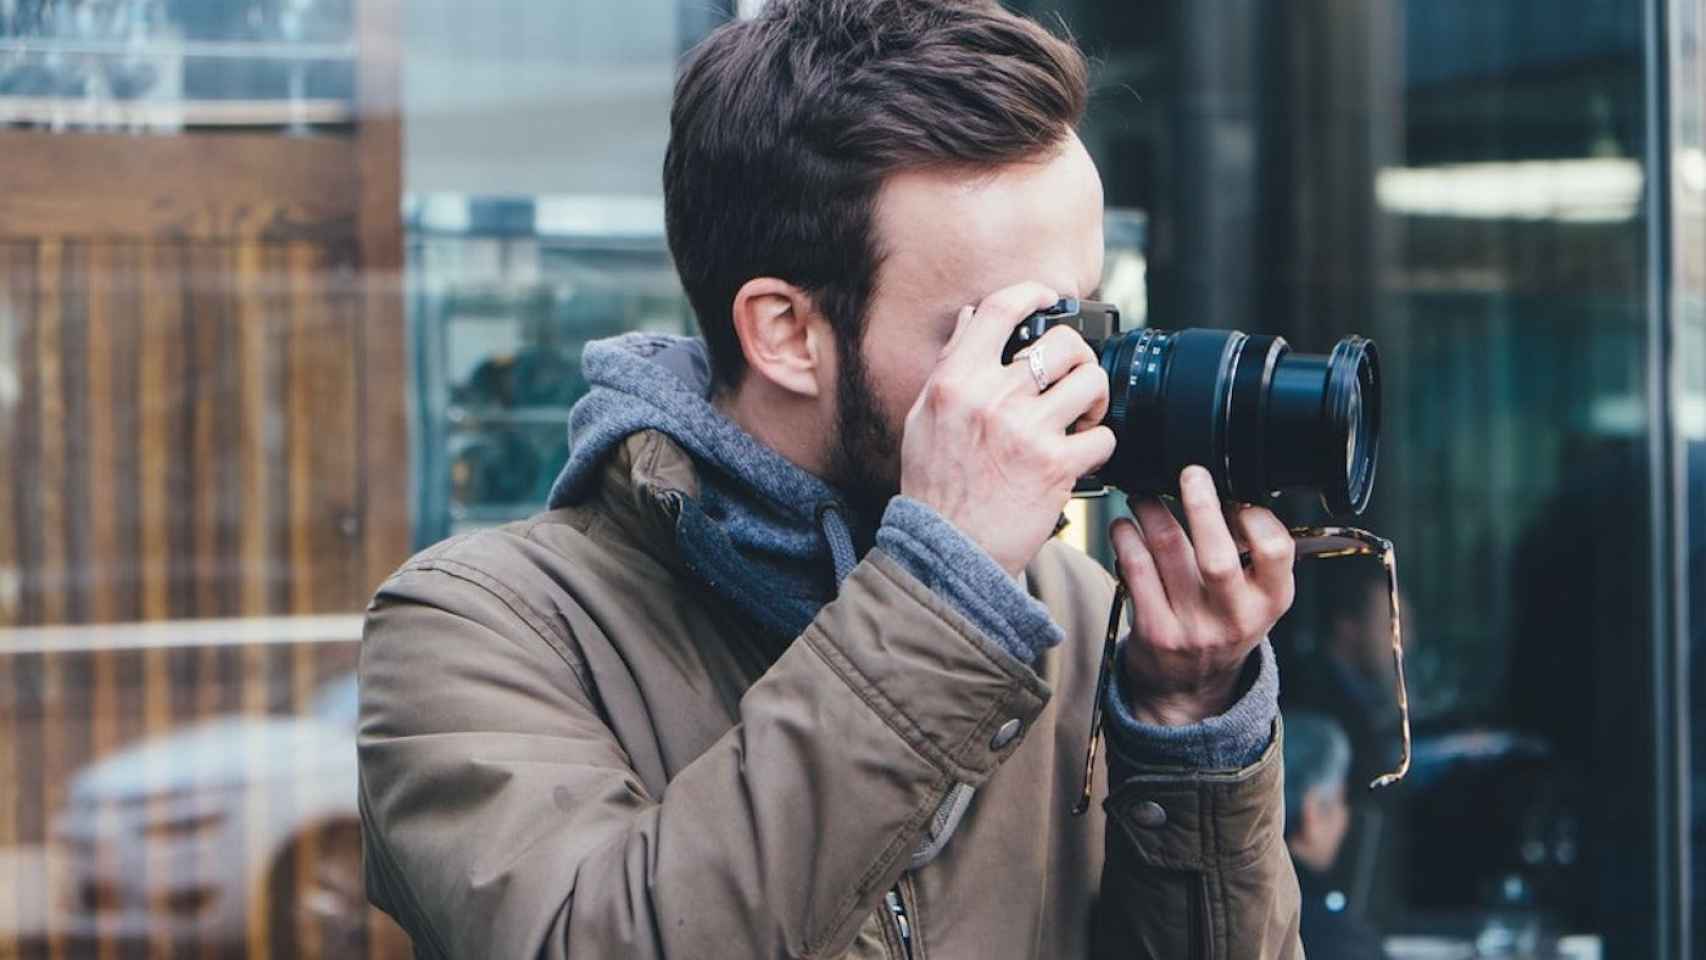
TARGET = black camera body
x,y
1095,322
1258,416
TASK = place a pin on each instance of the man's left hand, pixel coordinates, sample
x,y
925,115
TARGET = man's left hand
x,y
1197,612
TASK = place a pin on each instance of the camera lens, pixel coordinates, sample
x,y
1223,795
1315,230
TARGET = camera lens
x,y
1260,417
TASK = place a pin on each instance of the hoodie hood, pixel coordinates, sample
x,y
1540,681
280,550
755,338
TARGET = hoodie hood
x,y
763,533
655,381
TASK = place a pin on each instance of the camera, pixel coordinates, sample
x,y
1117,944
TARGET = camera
x,y
1260,417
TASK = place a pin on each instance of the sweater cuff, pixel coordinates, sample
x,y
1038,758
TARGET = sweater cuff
x,y
1231,741
963,573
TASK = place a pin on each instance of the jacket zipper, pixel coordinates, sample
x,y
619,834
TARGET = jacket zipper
x,y
897,909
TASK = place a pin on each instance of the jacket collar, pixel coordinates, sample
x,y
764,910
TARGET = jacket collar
x,y
644,483
776,571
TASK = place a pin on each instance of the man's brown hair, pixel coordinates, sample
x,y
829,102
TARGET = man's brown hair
x,y
784,127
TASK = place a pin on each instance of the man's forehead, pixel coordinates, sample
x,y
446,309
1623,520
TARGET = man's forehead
x,y
960,234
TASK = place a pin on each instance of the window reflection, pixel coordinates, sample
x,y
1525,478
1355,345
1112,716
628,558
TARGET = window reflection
x,y
219,398
218,813
168,64
510,291
1465,183
187,797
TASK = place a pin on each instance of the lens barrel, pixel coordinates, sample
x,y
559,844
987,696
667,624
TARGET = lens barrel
x,y
1259,416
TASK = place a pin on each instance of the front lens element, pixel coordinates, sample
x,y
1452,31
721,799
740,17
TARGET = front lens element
x,y
1352,405
1353,436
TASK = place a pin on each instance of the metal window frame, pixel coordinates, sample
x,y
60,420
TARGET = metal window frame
x,y
1674,112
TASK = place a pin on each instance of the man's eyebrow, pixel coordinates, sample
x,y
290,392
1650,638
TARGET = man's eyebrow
x,y
1095,294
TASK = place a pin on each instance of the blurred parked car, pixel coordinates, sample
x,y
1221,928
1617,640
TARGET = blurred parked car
x,y
182,836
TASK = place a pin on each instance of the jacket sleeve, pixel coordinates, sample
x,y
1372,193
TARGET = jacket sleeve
x,y
502,818
1197,865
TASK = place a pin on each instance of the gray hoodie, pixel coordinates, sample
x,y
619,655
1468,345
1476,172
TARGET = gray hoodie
x,y
776,541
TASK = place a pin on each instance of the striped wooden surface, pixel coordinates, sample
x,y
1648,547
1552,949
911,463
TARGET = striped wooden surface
x,y
184,439
202,415
181,440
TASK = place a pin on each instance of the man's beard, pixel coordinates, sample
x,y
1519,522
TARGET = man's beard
x,y
864,453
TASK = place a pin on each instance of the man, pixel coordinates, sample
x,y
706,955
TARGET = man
x,y
1317,760
792,666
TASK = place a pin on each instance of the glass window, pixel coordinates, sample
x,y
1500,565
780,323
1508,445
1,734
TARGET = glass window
x,y
166,65
1687,266
289,288
1466,183
241,376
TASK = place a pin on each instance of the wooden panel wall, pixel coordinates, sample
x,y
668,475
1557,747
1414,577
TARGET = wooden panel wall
x,y
202,415
185,439
191,430
207,339
207,335
221,368
194,428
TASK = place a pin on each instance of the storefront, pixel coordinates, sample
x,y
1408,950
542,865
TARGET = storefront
x,y
290,288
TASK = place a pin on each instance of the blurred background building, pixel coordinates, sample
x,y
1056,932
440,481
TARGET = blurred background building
x,y
291,287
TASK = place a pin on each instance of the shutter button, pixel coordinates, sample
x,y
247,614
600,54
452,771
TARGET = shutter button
x,y
1005,734
1149,814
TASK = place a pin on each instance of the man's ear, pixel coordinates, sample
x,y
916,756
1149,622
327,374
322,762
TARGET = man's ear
x,y
782,336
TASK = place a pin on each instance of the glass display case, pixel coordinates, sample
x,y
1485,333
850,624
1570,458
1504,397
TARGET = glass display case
x,y
507,292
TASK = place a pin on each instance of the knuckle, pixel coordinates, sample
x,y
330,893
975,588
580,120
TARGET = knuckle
x,y
1168,539
1105,442
1081,351
917,415
1095,385
1136,565
1016,299
942,395
1070,346
1057,465
1095,415
1062,339
1010,443
1276,548
1220,569
976,399
1034,291
1099,384
1166,637
1247,621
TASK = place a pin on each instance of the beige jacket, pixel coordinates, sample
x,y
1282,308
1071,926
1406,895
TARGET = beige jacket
x,y
569,748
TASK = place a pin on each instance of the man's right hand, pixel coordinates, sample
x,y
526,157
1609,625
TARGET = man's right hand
x,y
985,449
